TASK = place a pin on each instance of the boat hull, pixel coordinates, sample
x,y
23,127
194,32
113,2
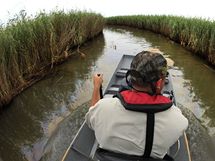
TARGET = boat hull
x,y
84,145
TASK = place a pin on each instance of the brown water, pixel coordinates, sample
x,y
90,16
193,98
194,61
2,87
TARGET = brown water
x,y
41,122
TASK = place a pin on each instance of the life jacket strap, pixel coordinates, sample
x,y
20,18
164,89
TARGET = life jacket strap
x,y
149,134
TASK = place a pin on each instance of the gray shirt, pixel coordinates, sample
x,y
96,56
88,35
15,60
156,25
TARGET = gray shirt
x,y
124,131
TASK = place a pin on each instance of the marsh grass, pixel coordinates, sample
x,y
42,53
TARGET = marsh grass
x,y
30,47
197,35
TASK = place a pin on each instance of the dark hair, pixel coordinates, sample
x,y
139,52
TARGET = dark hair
x,y
146,68
151,66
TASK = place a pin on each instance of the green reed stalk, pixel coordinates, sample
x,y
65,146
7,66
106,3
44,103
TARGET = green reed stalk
x,y
28,47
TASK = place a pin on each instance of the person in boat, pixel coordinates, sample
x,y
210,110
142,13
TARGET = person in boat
x,y
138,121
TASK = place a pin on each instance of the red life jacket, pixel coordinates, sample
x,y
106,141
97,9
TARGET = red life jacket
x,y
143,102
149,104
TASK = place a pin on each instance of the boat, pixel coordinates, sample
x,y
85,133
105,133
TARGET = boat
x,y
84,145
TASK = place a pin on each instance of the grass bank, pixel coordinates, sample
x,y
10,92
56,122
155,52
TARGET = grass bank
x,y
197,35
30,47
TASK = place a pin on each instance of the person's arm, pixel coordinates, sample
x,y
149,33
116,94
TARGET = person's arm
x,y
97,82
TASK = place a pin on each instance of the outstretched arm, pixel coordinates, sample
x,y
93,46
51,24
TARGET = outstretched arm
x,y
97,82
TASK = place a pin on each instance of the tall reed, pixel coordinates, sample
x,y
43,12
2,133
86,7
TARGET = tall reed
x,y
197,35
28,47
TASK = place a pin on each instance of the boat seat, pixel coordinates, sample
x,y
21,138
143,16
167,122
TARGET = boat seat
x,y
105,155
121,72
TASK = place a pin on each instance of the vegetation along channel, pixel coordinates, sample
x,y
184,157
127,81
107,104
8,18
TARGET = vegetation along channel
x,y
41,121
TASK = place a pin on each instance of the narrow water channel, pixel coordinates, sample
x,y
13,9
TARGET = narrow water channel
x,y
41,122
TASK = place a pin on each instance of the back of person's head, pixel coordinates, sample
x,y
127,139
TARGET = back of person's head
x,y
147,67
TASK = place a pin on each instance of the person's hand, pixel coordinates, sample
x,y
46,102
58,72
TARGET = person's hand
x,y
97,80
